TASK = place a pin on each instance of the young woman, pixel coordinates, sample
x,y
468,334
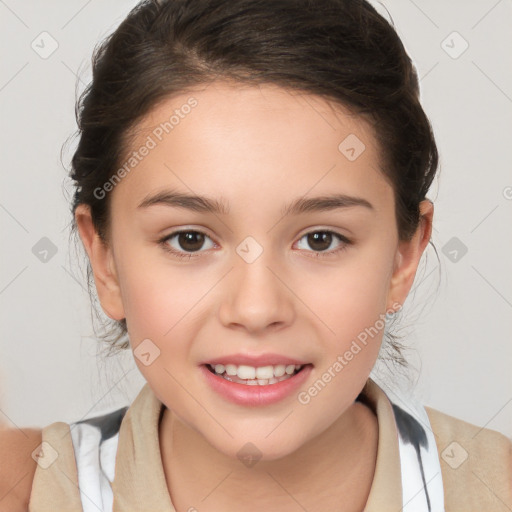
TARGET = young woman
x,y
251,185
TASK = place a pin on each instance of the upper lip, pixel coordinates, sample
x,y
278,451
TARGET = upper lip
x,y
254,360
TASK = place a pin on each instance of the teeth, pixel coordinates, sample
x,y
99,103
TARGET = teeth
x,y
246,372
255,382
279,370
290,369
261,375
231,369
264,372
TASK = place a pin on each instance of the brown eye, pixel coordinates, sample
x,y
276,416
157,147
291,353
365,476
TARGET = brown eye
x,y
185,243
190,240
321,241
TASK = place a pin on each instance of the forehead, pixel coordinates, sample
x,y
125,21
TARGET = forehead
x,y
234,140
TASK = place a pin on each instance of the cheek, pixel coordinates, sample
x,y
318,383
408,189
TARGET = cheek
x,y
152,305
351,304
159,306
167,306
350,298
156,295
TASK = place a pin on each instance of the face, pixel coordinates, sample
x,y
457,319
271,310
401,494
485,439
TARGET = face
x,y
256,282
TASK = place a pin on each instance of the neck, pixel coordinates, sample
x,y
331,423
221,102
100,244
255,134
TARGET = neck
x,y
335,467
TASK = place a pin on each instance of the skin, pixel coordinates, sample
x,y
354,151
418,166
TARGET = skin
x,y
258,148
16,475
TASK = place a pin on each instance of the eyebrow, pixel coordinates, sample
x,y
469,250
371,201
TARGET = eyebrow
x,y
205,204
189,202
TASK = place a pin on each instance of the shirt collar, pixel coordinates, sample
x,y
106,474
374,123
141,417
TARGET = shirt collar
x,y
135,487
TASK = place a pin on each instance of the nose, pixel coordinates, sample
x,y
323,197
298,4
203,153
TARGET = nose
x,y
256,297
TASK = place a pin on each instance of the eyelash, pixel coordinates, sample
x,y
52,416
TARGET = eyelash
x,y
317,254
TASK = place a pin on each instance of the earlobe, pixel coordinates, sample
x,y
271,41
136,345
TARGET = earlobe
x,y
102,264
409,255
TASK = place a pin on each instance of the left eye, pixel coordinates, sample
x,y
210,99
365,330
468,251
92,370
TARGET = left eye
x,y
320,241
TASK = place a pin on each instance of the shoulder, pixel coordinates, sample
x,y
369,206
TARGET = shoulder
x,y
55,482
476,464
17,466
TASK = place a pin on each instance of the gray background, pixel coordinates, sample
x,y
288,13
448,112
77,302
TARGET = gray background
x,y
458,334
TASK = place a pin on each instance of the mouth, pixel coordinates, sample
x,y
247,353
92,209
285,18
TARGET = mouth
x,y
256,376
255,386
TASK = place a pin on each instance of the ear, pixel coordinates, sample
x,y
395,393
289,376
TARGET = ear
x,y
102,263
408,256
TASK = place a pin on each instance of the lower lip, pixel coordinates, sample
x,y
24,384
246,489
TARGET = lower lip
x,y
244,394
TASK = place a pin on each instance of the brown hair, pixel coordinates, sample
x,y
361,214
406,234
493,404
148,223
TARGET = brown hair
x,y
341,50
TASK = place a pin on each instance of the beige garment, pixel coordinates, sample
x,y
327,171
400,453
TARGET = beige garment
x,y
483,482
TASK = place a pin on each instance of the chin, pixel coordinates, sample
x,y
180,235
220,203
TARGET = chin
x,y
253,449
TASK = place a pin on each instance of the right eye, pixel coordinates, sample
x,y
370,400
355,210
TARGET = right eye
x,y
179,242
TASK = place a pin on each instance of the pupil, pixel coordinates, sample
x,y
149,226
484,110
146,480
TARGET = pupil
x,y
191,241
320,237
